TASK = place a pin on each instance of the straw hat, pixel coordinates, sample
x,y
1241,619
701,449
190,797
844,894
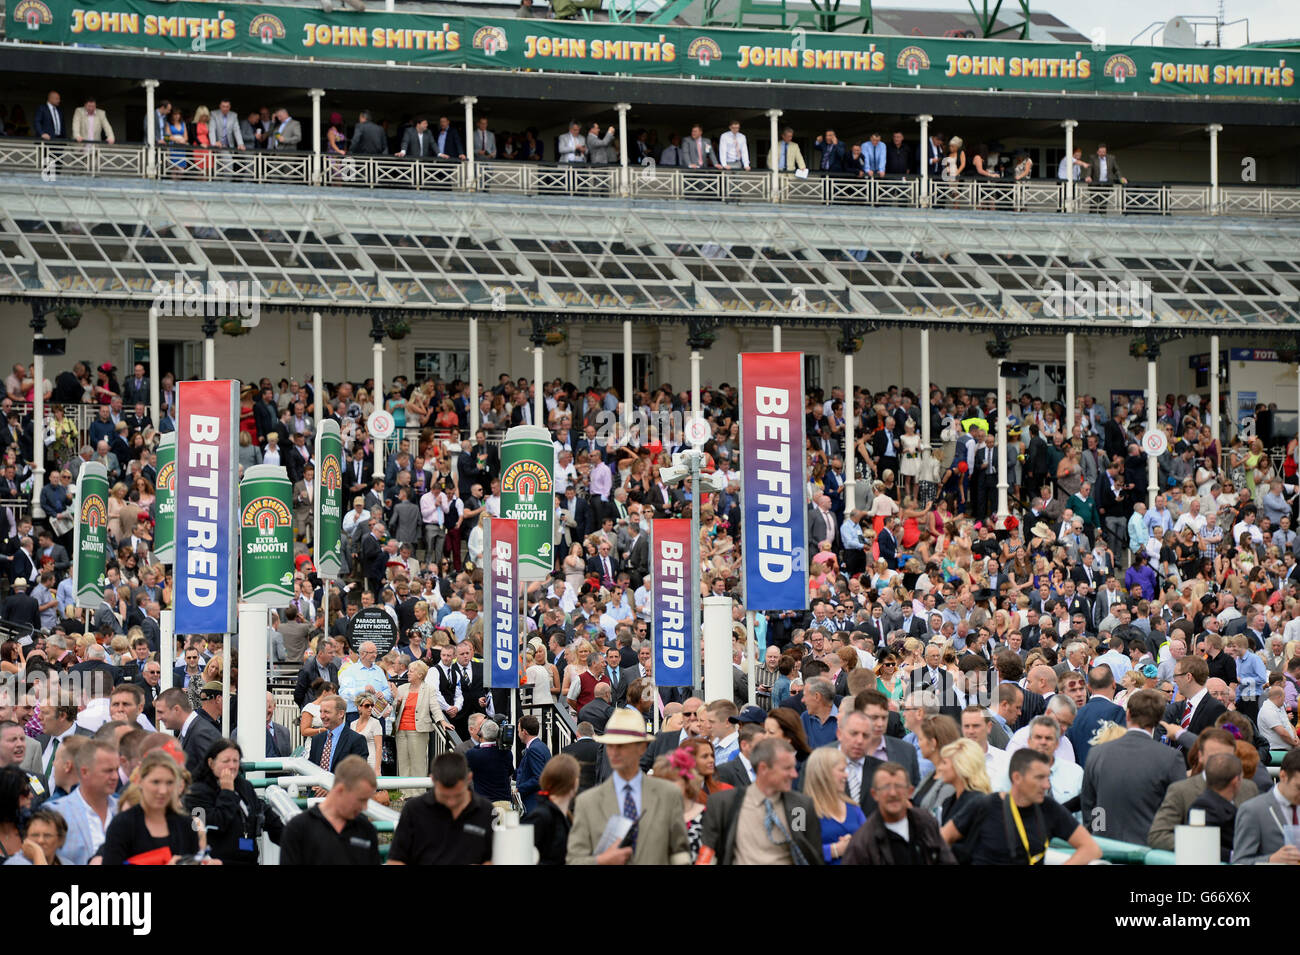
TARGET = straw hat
x,y
624,726
1043,532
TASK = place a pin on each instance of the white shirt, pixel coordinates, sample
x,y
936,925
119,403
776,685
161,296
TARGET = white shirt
x,y
996,762
900,828
734,149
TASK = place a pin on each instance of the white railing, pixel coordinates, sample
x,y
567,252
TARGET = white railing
x,y
184,163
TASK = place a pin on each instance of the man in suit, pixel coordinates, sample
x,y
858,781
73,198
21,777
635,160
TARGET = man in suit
x,y
417,141
90,125
286,132
935,677
323,666
1194,709
48,122
1099,709
196,734
1180,796
374,559
278,741
1261,823
533,759
1103,169
654,806
253,131
447,142
331,746
90,807
572,146
294,632
473,683
587,752
21,608
604,565
223,129
697,151
368,138
833,154
599,710
879,743
303,489
755,825
822,525
485,141
1124,781
786,155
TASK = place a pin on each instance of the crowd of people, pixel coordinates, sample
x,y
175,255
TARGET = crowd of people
x,y
961,686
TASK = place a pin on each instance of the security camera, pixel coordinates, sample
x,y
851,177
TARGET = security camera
x,y
716,481
677,472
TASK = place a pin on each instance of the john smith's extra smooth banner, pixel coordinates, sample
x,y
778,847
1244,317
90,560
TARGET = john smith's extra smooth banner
x,y
528,496
207,506
90,542
671,582
652,50
772,481
501,598
266,535
164,501
327,501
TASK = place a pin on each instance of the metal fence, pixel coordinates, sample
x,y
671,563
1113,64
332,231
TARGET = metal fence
x,y
50,160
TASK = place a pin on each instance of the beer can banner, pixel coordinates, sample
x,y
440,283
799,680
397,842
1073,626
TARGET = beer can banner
x,y
327,501
671,580
772,481
90,544
207,506
528,496
501,629
164,501
266,535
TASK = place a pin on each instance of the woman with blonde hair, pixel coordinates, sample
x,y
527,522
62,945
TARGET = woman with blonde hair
x,y
122,514
540,674
150,817
825,778
961,765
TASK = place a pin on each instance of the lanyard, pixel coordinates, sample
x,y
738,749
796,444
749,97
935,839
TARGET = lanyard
x,y
1020,829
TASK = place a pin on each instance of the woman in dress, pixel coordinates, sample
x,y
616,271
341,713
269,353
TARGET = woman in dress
x,y
679,767
1024,167
371,729
121,513
961,765
151,818
336,148
888,680
575,569
1257,466
910,466
447,423
541,673
1069,474
825,779
203,143
927,482
701,750
179,135
249,453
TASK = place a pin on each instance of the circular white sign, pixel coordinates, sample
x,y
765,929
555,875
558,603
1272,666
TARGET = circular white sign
x,y
380,424
698,431
1154,443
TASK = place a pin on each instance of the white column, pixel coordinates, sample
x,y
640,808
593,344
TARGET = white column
x,y
539,408
473,376
751,659
377,397
1214,389
210,357
1152,473
715,634
225,685
773,115
695,384
150,151
252,680
923,156
627,378
924,394
315,95
38,428
1214,129
1069,384
166,646
155,399
1069,125
776,338
1002,445
850,459
317,370
469,102
624,183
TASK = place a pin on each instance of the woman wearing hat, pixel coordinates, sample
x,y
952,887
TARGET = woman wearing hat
x,y
336,147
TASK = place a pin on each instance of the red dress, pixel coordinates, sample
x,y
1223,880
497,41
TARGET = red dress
x,y
911,533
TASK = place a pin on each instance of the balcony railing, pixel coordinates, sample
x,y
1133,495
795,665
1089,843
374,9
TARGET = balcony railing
x,y
51,161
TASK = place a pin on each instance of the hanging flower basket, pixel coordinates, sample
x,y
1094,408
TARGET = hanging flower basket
x,y
397,328
555,336
68,317
233,327
1137,348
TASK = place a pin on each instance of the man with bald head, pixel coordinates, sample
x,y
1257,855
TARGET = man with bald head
x,y
1177,650
1041,680
821,524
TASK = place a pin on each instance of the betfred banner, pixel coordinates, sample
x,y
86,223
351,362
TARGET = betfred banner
x,y
164,501
528,496
90,542
266,535
772,481
671,580
500,597
207,506
327,502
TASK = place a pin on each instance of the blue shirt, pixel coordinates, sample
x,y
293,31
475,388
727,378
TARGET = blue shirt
x,y
1251,677
620,790
819,733
333,741
850,535
354,680
873,155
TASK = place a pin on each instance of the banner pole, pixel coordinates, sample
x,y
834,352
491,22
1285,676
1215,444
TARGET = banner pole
x,y
751,666
166,646
252,697
225,685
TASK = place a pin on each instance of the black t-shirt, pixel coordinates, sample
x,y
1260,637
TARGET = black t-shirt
x,y
428,835
982,820
310,839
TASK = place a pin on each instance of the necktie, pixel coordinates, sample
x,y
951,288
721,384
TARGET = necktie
x,y
629,812
772,822
1294,820
855,781
784,150
327,752
58,127
271,750
49,766
1187,715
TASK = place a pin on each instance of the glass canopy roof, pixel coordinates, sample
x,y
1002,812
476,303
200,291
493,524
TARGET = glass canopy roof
x,y
314,249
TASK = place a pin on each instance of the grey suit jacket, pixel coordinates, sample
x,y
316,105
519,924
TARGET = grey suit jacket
x,y
224,130
290,137
1258,833
733,772
1124,783
661,833
697,155
1179,799
490,138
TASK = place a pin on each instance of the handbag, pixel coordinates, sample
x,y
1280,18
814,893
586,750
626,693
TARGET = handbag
x,y
388,756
